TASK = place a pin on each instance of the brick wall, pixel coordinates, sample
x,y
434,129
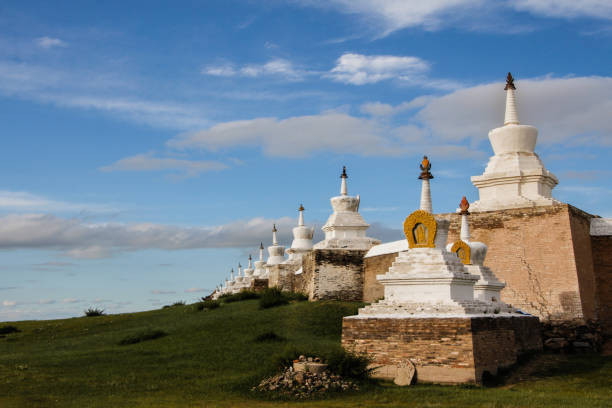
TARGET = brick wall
x,y
332,274
375,265
533,251
443,350
580,224
602,260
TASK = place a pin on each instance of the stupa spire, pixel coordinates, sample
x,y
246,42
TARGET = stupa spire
x,y
274,240
261,249
301,217
250,262
232,274
239,269
425,189
343,176
511,117
465,225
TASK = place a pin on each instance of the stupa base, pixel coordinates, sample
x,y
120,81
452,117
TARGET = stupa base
x,y
450,350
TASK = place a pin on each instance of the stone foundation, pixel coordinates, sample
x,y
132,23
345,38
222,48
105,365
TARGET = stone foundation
x,y
332,274
443,350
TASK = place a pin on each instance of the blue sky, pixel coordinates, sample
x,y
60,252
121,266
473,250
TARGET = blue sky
x,y
147,147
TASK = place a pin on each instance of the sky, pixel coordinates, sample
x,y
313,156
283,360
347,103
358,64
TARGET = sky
x,y
149,146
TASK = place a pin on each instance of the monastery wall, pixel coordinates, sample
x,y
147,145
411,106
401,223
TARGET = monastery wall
x,y
281,276
332,274
538,253
375,265
602,260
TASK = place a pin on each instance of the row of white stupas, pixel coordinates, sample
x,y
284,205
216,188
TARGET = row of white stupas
x,y
345,229
515,177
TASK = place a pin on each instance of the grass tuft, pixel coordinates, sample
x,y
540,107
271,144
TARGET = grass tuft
x,y
240,296
142,336
208,305
91,312
268,336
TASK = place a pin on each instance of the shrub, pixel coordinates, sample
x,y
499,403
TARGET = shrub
x,y
179,303
299,296
145,335
94,312
349,365
272,297
268,336
9,329
208,304
237,297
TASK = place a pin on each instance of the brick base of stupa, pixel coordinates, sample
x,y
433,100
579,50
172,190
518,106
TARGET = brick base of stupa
x,y
449,350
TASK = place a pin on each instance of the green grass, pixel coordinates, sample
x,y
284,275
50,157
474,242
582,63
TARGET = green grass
x,y
210,359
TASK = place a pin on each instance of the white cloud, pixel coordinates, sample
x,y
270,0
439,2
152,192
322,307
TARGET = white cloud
x,y
194,290
566,8
23,201
147,162
360,69
293,137
9,303
48,42
277,67
70,300
79,239
387,16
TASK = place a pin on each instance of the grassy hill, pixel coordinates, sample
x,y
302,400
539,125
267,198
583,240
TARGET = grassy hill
x,y
210,358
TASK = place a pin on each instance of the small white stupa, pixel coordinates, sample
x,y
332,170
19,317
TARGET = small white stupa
x,y
276,252
515,176
345,228
260,266
248,271
427,279
302,240
472,254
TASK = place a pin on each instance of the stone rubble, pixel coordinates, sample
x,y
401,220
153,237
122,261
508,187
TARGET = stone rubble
x,y
304,384
572,336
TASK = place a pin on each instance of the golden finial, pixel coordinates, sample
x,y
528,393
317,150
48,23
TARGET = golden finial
x,y
301,208
274,228
425,167
509,82
250,259
464,205
343,175
261,246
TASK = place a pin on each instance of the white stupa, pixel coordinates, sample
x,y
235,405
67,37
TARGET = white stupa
x,y
345,228
248,271
472,254
276,252
260,266
427,279
302,240
515,176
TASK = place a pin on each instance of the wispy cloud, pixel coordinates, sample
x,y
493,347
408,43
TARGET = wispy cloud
x,y
78,239
360,69
147,162
49,42
24,201
162,292
277,67
194,290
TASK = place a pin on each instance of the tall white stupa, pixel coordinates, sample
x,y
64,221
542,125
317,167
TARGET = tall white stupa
x,y
260,265
515,177
276,252
345,228
302,240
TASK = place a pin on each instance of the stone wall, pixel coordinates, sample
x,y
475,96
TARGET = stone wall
x,y
602,260
375,265
259,284
281,276
443,350
332,274
543,255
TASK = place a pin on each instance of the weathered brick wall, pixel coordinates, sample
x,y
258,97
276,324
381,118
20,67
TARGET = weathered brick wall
x,y
281,276
333,274
580,224
532,250
375,265
445,350
259,284
602,260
